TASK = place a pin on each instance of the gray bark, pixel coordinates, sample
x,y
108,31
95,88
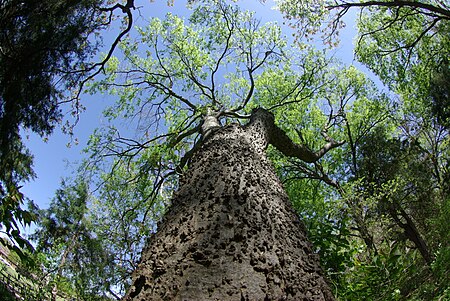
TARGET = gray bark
x,y
231,233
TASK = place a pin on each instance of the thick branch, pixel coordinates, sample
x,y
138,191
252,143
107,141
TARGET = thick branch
x,y
126,9
280,140
250,70
400,3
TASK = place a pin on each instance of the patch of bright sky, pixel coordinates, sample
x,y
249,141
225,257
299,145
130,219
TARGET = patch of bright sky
x,y
54,160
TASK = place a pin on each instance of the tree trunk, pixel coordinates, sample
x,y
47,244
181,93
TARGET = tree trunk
x,y
231,233
411,231
62,262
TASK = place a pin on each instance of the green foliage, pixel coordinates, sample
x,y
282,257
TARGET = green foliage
x,y
73,257
125,212
440,269
42,43
184,62
439,94
404,54
327,223
6,295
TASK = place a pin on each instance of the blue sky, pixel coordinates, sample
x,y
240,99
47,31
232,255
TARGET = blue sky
x,y
53,160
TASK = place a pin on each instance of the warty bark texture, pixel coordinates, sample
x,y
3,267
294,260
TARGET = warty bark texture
x,y
231,233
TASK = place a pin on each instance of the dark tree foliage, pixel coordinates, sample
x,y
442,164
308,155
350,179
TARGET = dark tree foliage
x,y
440,94
385,160
45,50
6,295
42,42
39,43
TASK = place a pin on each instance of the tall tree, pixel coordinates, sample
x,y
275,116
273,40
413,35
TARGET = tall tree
x,y
231,232
439,94
328,17
196,76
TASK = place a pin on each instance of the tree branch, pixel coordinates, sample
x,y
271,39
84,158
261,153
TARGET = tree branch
x,y
230,27
396,3
279,139
99,66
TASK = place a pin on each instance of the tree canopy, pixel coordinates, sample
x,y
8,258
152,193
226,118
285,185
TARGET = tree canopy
x,y
374,190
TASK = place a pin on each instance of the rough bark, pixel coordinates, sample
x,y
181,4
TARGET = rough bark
x,y
231,233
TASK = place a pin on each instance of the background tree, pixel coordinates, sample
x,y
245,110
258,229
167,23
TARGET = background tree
x,y
439,95
403,42
377,205
75,261
124,211
327,17
47,49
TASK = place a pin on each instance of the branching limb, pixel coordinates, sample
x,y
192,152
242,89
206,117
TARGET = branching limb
x,y
85,74
438,10
230,27
305,88
280,140
251,70
316,172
